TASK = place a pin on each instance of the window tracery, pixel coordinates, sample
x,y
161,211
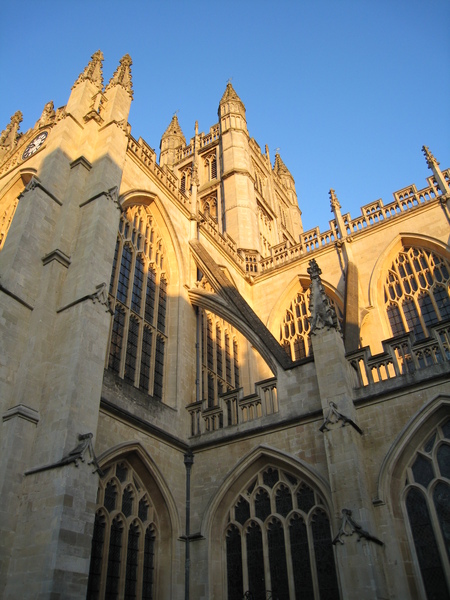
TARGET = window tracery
x,y
124,538
209,205
220,358
427,511
210,163
278,538
416,291
138,296
295,328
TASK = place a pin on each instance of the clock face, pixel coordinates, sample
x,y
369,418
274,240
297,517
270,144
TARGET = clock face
x,y
34,145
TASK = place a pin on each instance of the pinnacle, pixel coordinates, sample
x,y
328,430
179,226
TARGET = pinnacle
x,y
122,75
279,166
173,128
93,71
230,94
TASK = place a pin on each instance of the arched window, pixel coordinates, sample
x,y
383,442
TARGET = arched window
x,y
138,295
295,327
211,166
220,358
278,540
416,291
426,499
124,538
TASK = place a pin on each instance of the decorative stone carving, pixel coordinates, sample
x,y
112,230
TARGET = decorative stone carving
x,y
349,527
75,456
334,416
48,115
113,195
93,71
122,75
322,313
10,135
101,296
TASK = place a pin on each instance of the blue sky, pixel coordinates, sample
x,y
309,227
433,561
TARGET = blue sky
x,y
349,90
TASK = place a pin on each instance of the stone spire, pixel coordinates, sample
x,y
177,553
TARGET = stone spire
x,y
93,71
434,166
281,171
230,94
172,139
231,110
322,312
9,136
122,76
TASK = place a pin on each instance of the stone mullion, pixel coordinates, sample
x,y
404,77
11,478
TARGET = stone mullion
x,y
312,554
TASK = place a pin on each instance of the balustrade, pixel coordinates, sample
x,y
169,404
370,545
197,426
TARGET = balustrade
x,y
402,356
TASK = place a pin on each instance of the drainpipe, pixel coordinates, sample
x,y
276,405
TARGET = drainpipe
x,y
188,462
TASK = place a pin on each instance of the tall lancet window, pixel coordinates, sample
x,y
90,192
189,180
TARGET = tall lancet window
x,y
138,294
124,538
426,498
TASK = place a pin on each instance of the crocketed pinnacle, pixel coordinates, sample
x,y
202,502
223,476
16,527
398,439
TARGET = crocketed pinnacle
x,y
173,128
93,72
429,157
334,200
8,135
279,167
122,75
230,94
322,312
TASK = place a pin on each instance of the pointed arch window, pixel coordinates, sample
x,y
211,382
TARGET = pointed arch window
x,y
220,349
295,328
416,291
426,499
138,297
278,540
123,543
211,166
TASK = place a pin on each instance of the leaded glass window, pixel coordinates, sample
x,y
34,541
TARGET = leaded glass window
x,y
138,296
278,529
219,348
416,291
427,508
124,538
295,328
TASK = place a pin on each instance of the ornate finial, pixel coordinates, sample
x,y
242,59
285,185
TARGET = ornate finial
x,y
122,75
48,115
93,71
277,151
175,114
229,80
429,157
334,201
8,137
322,312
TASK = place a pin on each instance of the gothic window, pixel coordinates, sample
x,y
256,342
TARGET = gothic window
x,y
185,180
209,206
220,348
416,291
124,538
427,506
138,296
278,540
211,167
295,327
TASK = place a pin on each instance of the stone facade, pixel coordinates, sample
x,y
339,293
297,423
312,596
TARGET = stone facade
x,y
199,399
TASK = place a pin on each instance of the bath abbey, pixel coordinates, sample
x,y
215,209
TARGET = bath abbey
x,y
199,399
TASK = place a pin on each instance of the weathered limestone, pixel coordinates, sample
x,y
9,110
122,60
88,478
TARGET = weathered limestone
x,y
225,345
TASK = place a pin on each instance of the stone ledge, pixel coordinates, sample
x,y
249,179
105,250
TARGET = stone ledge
x,y
23,412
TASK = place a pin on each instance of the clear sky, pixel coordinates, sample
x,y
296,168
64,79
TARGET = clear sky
x,y
348,90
